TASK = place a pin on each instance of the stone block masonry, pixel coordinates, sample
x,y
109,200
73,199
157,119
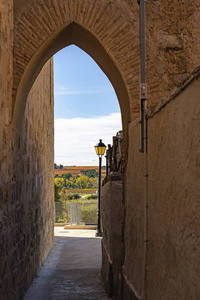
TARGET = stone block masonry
x,y
26,173
172,38
108,30
112,211
27,201
173,261
172,255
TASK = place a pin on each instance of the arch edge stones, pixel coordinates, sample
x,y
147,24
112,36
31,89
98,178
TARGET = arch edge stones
x,y
40,35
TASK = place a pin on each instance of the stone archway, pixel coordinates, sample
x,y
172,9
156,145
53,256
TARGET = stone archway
x,y
72,34
100,28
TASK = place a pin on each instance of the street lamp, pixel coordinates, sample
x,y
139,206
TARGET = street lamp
x,y
100,150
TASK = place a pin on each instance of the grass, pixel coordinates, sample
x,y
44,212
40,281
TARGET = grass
x,y
82,191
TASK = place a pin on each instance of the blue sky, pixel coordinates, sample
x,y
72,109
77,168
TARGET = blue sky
x,y
86,108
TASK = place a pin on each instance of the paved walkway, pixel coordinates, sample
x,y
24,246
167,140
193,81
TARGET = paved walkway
x,y
71,270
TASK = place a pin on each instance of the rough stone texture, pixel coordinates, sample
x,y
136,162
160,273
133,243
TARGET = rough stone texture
x,y
109,31
174,207
134,222
173,261
112,211
35,175
7,213
173,38
26,173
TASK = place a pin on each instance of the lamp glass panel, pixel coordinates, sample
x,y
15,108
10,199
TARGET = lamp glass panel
x,y
97,150
100,150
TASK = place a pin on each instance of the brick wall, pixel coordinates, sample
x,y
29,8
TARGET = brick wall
x,y
26,152
172,39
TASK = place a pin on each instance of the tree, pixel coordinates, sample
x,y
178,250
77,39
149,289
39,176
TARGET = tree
x,y
67,175
71,182
90,173
59,182
82,182
63,194
74,196
93,182
58,185
56,193
93,173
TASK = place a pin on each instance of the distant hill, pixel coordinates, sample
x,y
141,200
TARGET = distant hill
x,y
75,171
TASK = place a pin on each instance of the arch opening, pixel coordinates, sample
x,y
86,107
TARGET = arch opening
x,y
79,36
83,98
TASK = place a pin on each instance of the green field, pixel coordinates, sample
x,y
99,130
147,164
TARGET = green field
x,y
82,191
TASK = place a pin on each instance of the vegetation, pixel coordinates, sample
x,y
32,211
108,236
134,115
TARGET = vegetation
x,y
59,182
56,193
90,173
61,212
89,214
73,196
95,196
88,209
73,187
82,192
75,182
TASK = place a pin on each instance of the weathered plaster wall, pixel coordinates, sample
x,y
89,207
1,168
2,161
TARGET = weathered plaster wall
x,y
134,221
173,44
26,173
26,162
173,262
174,191
112,212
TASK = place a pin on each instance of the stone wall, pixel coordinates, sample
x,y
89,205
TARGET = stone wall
x,y
7,212
109,31
26,173
174,207
173,261
37,166
134,203
112,211
173,44
172,40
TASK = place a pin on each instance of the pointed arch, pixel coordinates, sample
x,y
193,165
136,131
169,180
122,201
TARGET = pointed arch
x,y
103,29
77,35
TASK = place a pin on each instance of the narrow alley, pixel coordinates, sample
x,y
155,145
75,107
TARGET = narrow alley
x,y
71,270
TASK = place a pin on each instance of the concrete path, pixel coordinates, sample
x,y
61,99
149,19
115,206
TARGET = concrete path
x,y
71,270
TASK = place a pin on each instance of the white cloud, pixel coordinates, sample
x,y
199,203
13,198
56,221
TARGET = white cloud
x,y
70,91
75,138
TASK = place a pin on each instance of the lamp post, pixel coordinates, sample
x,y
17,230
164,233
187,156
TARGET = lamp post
x,y
143,86
100,150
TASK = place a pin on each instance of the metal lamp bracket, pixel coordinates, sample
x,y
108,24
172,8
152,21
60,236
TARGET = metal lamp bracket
x,y
143,91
